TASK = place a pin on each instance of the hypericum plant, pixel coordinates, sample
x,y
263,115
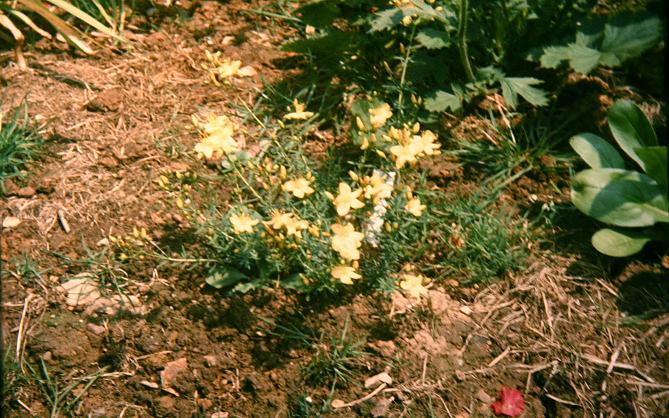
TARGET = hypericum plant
x,y
634,202
18,12
308,225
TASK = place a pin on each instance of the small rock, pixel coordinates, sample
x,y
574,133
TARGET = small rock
x,y
106,101
167,402
11,222
482,396
96,329
466,310
47,356
205,403
220,415
211,361
25,192
375,380
172,369
460,375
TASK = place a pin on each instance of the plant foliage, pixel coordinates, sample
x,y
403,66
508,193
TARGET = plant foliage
x,y
615,195
620,39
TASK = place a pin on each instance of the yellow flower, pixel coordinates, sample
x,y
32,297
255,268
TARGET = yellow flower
x,y
295,225
219,140
223,70
299,113
292,223
346,274
404,154
414,207
242,223
377,188
346,241
379,115
347,199
426,143
299,187
413,285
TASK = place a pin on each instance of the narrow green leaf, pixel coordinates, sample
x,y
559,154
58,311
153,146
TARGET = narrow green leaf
x,y
619,197
655,163
631,129
618,242
596,151
86,18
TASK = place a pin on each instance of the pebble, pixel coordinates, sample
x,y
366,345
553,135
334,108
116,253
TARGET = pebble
x,y
96,329
482,396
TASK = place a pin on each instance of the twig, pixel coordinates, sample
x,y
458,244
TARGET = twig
x,y
616,365
363,399
559,400
500,357
63,222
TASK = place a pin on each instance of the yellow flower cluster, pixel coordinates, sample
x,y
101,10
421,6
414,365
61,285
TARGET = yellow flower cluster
x,y
222,70
410,145
217,138
291,223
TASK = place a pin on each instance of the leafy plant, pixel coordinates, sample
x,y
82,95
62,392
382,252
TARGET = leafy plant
x,y
635,203
19,143
394,48
13,12
622,38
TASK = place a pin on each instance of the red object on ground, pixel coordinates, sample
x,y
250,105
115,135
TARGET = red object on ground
x,y
509,403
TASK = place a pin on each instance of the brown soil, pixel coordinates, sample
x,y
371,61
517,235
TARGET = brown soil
x,y
114,122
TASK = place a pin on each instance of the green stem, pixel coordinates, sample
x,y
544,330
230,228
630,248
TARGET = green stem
x,y
405,65
462,40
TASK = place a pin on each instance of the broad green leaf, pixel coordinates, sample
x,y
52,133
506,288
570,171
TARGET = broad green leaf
x,y
441,101
627,40
225,277
619,40
246,287
433,38
512,87
596,151
327,45
631,129
294,282
581,58
619,197
318,14
388,19
618,242
655,163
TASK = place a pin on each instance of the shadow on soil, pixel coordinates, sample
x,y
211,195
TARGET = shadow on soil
x,y
645,294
